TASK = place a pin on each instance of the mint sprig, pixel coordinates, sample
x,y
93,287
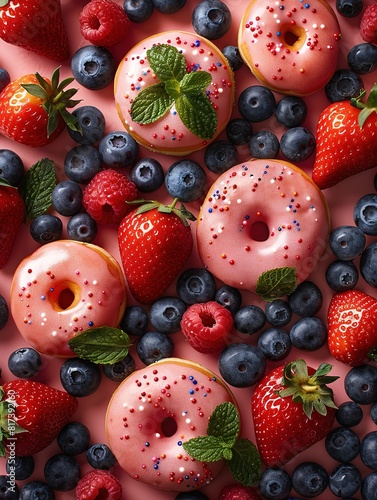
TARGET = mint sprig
x,y
186,91
276,283
223,443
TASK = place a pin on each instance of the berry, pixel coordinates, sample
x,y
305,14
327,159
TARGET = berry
x,y
46,228
239,131
186,180
207,326
135,320
249,319
342,275
7,490
349,8
211,19
306,300
93,67
74,438
82,227
291,111
107,195
275,343
232,53
369,486
138,11
362,58
11,167
236,492
229,297
278,312
220,156
360,384
256,103
241,365
166,313
347,242
342,444
309,479
368,450
196,285
275,483
62,472
343,85
297,144
80,377
345,480
100,456
24,362
67,198
82,163
121,369
92,125
264,144
368,24
368,269
153,346
36,490
98,483
4,312
118,149
308,333
147,174
20,467
103,23
349,414
4,78
373,412
169,6
365,214
191,495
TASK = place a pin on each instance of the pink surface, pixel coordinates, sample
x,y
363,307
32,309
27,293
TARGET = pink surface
x,y
341,199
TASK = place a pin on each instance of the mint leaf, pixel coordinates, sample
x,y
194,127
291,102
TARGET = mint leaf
x,y
173,88
197,114
167,62
205,448
151,104
224,422
195,82
276,283
103,345
245,464
37,186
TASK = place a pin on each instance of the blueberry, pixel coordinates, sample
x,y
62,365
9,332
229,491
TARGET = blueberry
x,y
220,156
275,483
349,8
362,58
369,487
195,285
186,180
249,319
8,491
82,227
211,19
4,312
80,377
275,343
229,297
297,144
306,300
349,414
239,131
368,450
25,362
360,384
135,320
347,242
62,472
368,264
92,123
169,6
309,479
93,67
74,438
67,197
4,78
264,144
138,11
121,369
308,334
36,490
82,163
153,346
147,174
46,228
166,313
345,480
118,149
291,111
11,167
256,103
278,312
342,444
100,456
365,214
342,275
241,365
20,467
233,56
373,412
343,85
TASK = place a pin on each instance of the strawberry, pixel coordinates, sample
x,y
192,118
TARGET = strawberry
x,y
346,139
33,109
32,415
238,492
12,214
35,25
155,242
352,326
292,409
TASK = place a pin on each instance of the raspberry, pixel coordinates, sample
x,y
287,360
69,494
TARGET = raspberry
x,y
207,326
98,484
103,23
368,24
105,197
238,492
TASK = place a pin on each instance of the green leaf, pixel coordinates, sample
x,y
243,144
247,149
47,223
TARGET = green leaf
x,y
37,186
35,90
224,423
205,448
195,83
173,88
276,283
102,345
197,114
245,464
167,62
151,104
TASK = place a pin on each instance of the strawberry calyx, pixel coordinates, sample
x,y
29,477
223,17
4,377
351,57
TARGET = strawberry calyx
x,y
181,212
8,426
309,390
56,99
368,107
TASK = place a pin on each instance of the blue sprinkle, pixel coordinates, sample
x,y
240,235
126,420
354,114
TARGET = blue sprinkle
x,y
155,466
218,64
247,217
281,7
191,377
279,228
290,206
307,6
147,444
173,138
294,210
43,297
278,33
90,323
210,210
179,443
187,477
51,289
197,43
191,391
205,395
194,382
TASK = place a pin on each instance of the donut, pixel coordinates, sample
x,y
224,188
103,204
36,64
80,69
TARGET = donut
x,y
262,215
291,46
153,411
168,134
62,289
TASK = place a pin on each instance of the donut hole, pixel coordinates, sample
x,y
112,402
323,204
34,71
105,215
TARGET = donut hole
x,y
259,231
294,37
168,426
64,296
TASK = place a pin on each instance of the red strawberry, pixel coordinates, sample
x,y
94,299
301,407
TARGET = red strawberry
x,y
35,25
368,24
32,415
98,484
155,242
346,140
238,492
12,214
352,326
33,109
292,409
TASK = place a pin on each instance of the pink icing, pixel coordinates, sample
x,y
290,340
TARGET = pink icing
x,y
62,289
260,215
168,134
292,46
155,410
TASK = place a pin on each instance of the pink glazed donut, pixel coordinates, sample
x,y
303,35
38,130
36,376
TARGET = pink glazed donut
x,y
261,215
62,289
291,46
153,411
